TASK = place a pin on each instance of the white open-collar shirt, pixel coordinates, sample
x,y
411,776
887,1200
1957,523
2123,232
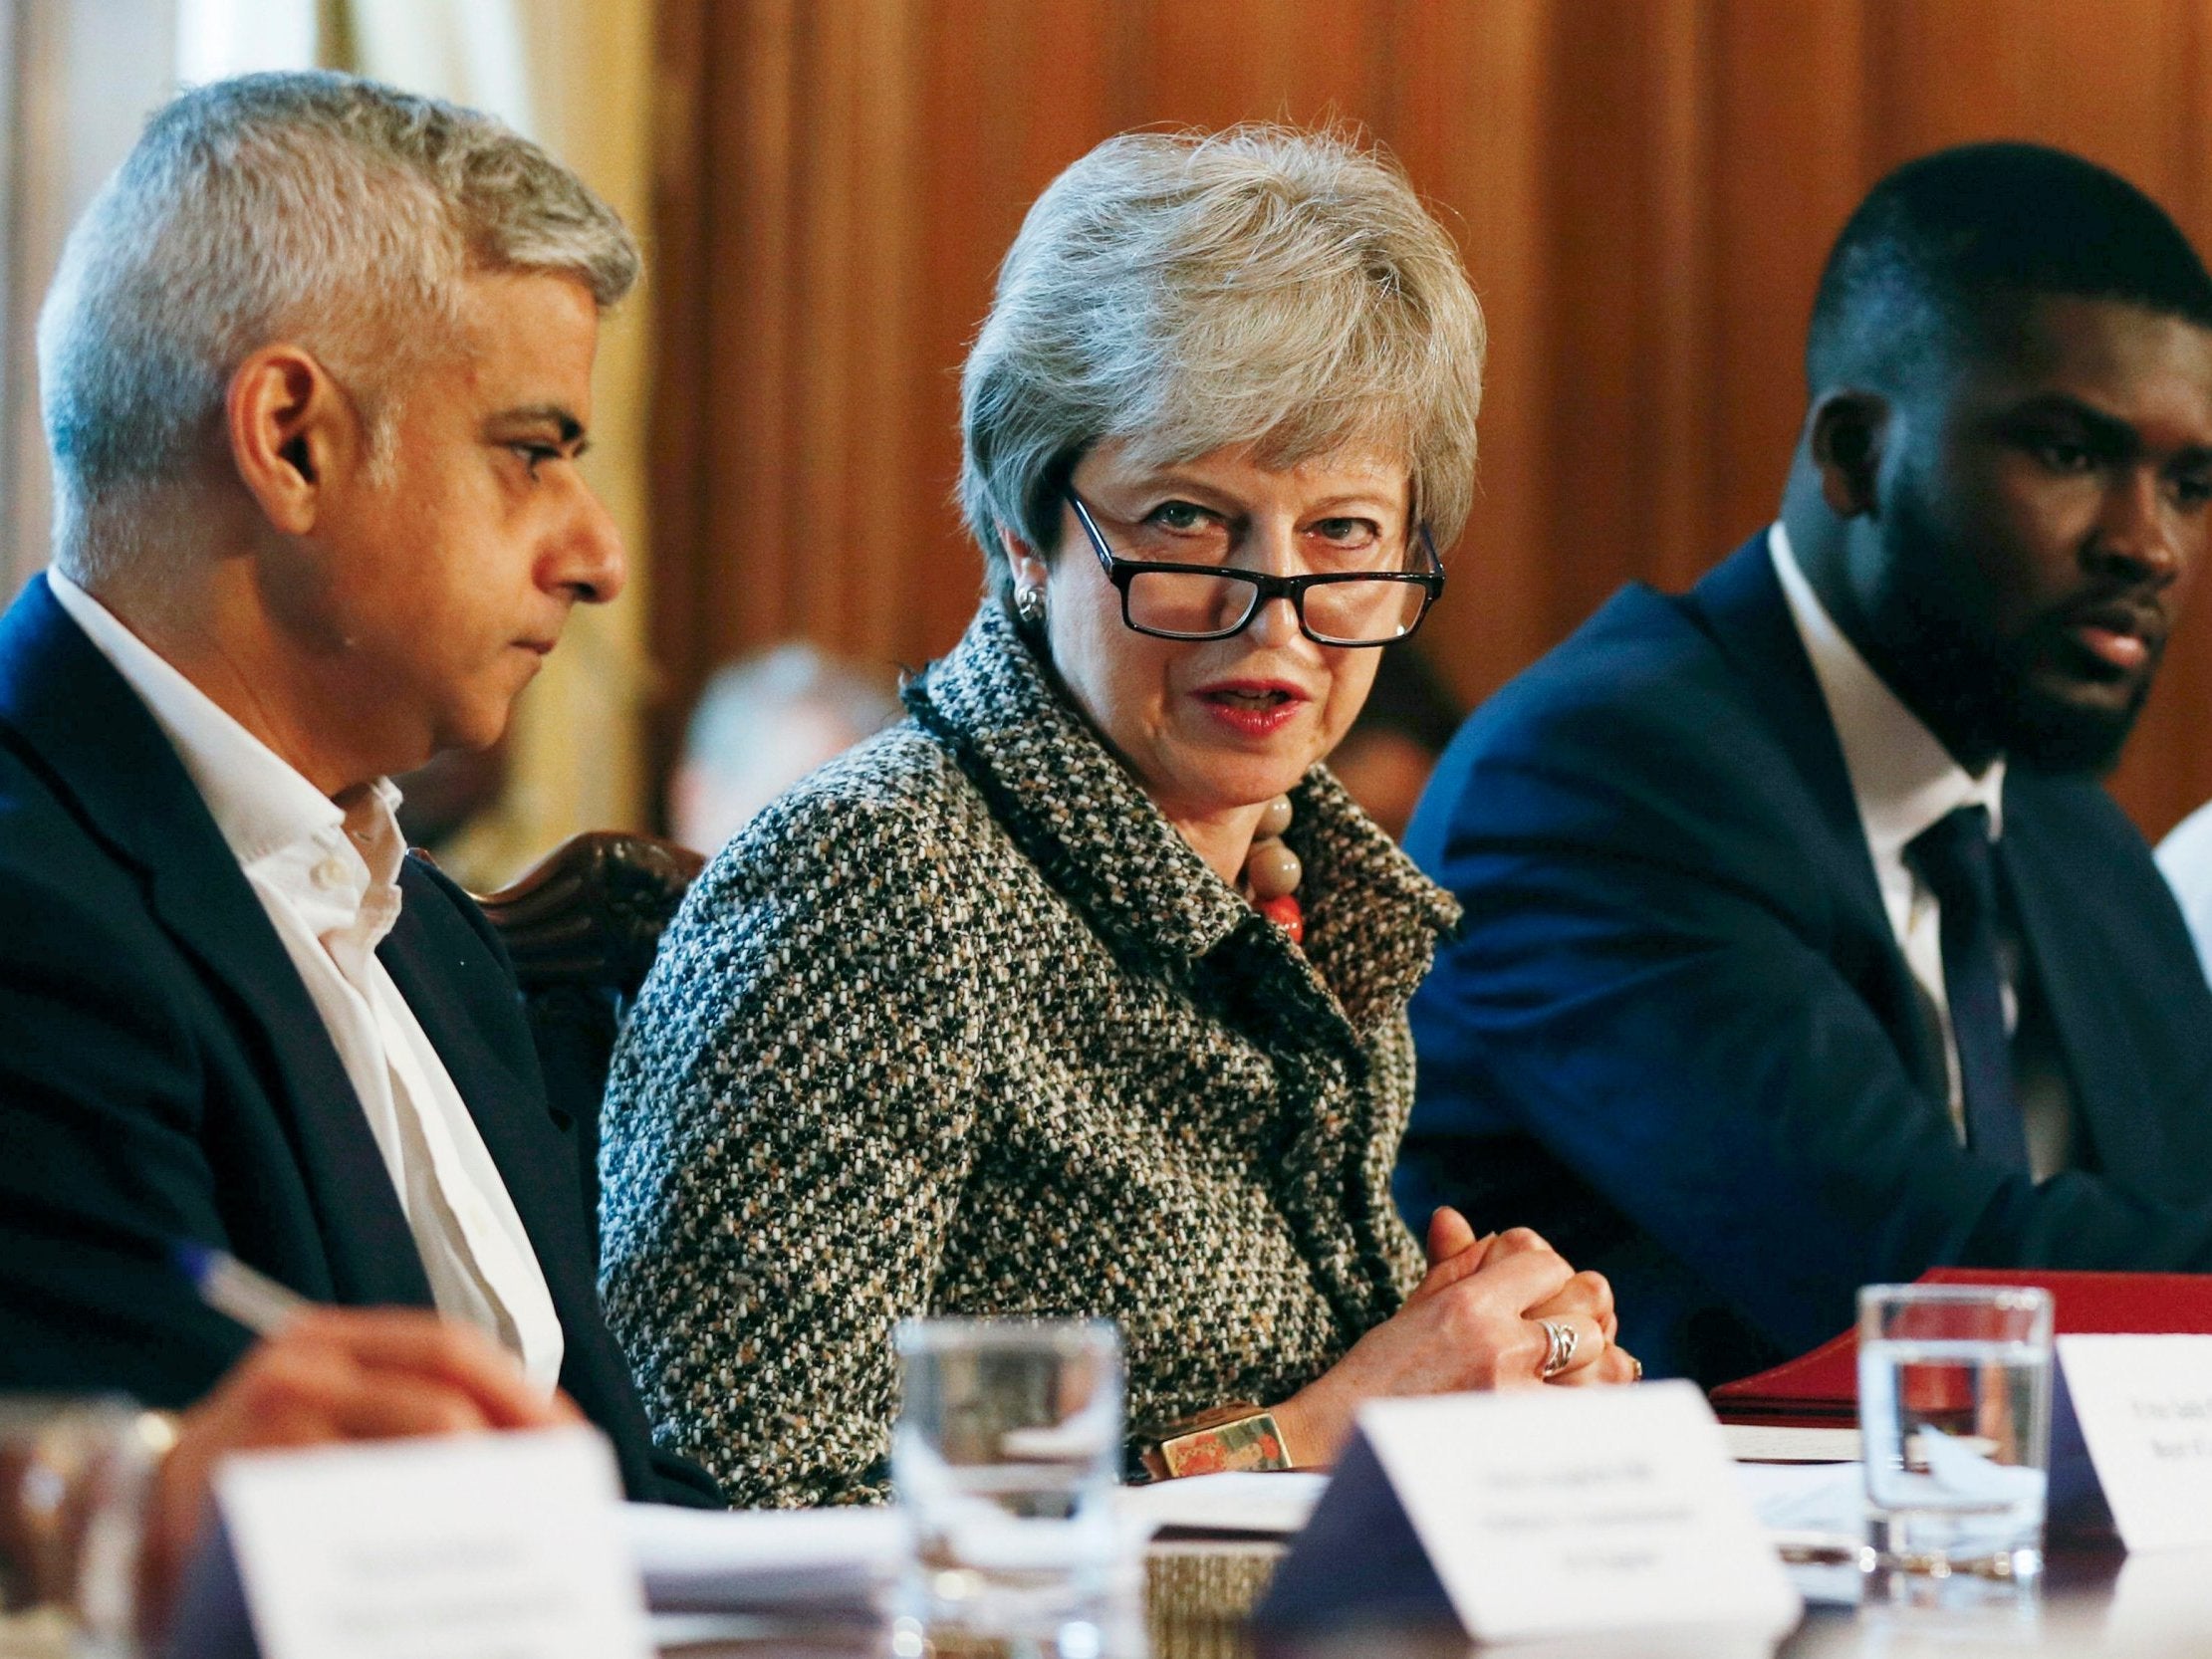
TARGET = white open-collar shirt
x,y
327,877
1905,782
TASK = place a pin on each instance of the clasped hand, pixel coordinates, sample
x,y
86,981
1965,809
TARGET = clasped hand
x,y
1475,1321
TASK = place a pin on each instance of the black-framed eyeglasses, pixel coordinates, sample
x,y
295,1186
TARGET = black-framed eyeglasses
x,y
1207,601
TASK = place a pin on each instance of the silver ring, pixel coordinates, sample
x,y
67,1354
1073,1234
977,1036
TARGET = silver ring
x,y
1559,1352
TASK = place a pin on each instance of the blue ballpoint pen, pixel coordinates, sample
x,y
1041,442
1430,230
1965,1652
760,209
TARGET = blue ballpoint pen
x,y
228,1285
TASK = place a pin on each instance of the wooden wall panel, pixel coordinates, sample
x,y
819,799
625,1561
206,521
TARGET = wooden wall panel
x,y
1789,162
1472,125
2167,770
1643,191
1608,290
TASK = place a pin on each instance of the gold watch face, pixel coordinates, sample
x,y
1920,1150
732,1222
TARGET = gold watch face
x,y
1248,1443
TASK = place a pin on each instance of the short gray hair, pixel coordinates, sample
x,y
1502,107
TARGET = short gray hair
x,y
1181,292
313,206
745,700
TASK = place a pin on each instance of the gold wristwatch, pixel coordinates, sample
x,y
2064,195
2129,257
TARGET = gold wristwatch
x,y
1240,1435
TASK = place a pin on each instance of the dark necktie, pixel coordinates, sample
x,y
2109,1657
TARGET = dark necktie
x,y
1954,856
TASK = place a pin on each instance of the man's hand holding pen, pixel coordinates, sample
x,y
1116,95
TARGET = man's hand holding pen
x,y
320,1376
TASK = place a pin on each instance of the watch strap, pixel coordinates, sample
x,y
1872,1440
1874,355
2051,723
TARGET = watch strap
x,y
1242,1436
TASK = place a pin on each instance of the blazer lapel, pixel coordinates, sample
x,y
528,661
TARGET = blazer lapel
x,y
79,720
459,993
463,995
1748,618
2073,970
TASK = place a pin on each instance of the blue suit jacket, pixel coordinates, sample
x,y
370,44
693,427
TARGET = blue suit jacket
x,y
1675,1032
165,1073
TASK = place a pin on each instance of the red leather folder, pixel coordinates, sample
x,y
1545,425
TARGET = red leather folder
x,y
1822,1388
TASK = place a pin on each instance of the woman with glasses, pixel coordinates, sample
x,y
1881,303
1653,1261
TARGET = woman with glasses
x,y
1082,991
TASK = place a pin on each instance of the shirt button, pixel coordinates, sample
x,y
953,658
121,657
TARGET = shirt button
x,y
331,872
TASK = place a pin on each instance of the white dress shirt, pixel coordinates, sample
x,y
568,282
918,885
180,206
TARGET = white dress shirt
x,y
328,876
1906,782
2185,860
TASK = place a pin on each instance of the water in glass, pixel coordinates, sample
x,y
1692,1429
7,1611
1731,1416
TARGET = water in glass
x,y
74,1479
1005,1457
1956,1434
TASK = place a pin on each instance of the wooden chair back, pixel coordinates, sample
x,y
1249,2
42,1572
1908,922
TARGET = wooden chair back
x,y
582,925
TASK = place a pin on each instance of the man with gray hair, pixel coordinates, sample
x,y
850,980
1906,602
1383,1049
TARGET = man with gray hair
x,y
763,723
316,372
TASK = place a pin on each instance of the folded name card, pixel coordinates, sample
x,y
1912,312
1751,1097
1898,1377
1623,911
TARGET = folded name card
x,y
2144,1409
1540,1512
450,1548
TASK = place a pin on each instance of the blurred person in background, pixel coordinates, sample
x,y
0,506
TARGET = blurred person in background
x,y
316,369
1082,991
763,723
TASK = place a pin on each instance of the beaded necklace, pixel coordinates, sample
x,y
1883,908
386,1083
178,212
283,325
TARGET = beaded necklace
x,y
1272,871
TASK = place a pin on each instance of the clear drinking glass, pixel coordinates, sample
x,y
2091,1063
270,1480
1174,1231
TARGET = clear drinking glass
x,y
74,1479
1005,1456
1954,1413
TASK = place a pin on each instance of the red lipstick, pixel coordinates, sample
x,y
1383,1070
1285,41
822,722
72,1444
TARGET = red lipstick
x,y
1252,708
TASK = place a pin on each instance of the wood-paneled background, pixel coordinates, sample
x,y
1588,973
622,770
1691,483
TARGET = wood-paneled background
x,y
1643,191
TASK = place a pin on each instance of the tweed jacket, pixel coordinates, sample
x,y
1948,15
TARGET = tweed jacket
x,y
962,1024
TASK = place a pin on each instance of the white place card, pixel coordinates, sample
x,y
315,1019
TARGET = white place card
x,y
477,1546
2145,1405
1540,1512
1247,1503
1765,1443
757,1561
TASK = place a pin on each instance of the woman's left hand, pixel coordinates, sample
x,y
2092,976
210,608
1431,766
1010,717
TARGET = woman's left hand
x,y
1585,1302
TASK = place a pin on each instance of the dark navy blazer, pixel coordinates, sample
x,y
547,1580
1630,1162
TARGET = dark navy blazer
x,y
165,1073
1675,1032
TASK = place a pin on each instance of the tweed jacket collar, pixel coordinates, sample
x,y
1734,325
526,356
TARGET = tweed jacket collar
x,y
1074,810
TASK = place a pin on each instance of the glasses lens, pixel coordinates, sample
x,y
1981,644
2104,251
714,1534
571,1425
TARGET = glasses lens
x,y
1190,602
1364,612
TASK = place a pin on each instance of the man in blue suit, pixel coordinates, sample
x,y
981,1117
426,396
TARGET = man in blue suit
x,y
1803,948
